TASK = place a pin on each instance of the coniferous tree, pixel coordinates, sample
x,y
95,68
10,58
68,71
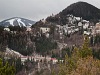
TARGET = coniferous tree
x,y
6,69
81,62
85,50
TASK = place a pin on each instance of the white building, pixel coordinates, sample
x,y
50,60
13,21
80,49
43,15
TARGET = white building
x,y
47,35
60,27
54,60
23,59
13,32
85,21
7,29
76,29
86,25
86,33
44,29
77,18
80,24
28,29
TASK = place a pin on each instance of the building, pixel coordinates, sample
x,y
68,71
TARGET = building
x,y
35,58
54,60
28,29
47,35
80,24
96,29
86,33
44,29
86,25
7,29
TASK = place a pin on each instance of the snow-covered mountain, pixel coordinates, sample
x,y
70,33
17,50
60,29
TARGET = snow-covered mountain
x,y
17,21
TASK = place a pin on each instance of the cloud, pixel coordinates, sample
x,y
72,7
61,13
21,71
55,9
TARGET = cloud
x,y
35,9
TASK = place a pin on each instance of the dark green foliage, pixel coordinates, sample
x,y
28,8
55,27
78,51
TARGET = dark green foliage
x,y
82,9
55,55
23,42
85,50
52,28
66,50
96,53
44,44
52,19
1,28
97,40
17,28
6,69
61,55
91,41
18,65
19,42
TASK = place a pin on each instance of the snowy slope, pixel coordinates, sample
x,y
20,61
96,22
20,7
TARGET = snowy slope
x,y
12,52
17,21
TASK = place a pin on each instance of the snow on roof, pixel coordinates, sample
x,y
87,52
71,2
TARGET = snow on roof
x,y
76,29
85,21
77,18
79,24
87,33
6,29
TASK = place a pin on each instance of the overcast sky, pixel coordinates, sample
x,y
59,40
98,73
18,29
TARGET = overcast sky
x,y
35,9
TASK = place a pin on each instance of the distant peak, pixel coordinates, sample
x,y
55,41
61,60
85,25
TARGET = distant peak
x,y
17,21
82,9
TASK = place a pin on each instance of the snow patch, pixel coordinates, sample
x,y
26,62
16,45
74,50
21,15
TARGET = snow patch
x,y
11,21
10,51
19,21
30,24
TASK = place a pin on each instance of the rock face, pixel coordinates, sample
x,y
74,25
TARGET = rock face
x,y
17,21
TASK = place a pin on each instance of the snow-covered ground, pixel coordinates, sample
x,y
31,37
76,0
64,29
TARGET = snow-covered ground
x,y
12,52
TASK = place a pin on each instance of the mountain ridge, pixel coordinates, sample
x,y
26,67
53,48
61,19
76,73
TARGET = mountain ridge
x,y
79,9
17,21
82,8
